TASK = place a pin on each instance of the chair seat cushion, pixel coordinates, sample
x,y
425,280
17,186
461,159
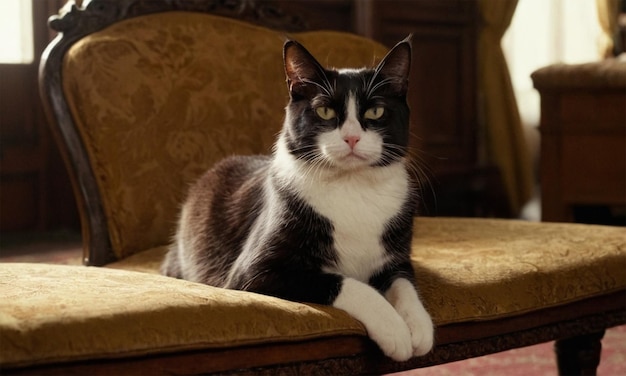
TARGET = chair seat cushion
x,y
467,270
472,269
484,269
56,313
607,73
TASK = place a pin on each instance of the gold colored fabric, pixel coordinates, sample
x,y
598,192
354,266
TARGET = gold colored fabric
x,y
51,313
467,270
148,261
480,269
506,145
158,99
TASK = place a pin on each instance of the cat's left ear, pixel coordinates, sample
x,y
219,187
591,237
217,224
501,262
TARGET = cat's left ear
x,y
301,68
396,65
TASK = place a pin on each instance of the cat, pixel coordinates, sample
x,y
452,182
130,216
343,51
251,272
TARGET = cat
x,y
328,217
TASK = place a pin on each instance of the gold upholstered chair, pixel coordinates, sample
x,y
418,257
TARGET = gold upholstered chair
x,y
143,96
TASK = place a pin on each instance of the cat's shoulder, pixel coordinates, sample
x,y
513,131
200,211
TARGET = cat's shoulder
x,y
231,172
239,165
245,161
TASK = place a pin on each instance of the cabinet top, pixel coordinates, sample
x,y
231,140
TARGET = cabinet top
x,y
608,73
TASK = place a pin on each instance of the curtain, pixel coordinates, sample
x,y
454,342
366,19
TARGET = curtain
x,y
16,24
607,15
506,144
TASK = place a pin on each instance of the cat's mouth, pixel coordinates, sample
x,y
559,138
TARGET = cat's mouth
x,y
352,155
352,160
349,159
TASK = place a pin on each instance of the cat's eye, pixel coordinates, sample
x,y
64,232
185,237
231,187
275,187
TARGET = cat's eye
x,y
325,113
374,113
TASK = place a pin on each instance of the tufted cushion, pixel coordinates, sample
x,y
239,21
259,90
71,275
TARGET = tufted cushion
x,y
54,313
608,73
472,269
481,269
467,269
160,98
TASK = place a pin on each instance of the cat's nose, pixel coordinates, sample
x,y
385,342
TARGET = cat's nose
x,y
352,141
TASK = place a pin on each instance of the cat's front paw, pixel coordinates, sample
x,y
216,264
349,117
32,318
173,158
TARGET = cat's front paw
x,y
394,338
383,324
422,331
404,298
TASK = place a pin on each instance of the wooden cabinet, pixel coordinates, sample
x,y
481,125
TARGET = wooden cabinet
x,y
583,133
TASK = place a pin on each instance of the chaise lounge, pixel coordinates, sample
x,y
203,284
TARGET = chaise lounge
x,y
144,96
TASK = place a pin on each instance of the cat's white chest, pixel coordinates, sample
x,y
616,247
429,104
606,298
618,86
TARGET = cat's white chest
x,y
359,209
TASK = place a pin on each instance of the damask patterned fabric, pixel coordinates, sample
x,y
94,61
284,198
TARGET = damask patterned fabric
x,y
52,313
158,99
482,269
467,270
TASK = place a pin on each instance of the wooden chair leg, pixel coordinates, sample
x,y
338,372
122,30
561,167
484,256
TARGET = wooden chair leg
x,y
579,356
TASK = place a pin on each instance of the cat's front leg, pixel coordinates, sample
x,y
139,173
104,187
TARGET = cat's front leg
x,y
403,296
383,324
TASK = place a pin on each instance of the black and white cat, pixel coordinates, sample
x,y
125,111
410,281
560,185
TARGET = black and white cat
x,y
328,218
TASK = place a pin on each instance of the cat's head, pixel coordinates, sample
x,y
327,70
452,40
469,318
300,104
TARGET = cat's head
x,y
347,118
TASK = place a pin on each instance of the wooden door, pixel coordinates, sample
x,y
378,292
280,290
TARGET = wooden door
x,y
35,193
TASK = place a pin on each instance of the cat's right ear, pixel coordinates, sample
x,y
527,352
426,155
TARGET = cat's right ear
x,y
302,70
396,66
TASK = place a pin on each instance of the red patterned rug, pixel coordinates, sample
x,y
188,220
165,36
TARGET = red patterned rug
x,y
535,360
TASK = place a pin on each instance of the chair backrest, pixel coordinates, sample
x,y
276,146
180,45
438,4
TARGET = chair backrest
x,y
143,102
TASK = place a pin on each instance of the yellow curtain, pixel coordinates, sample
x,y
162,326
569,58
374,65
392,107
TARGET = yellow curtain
x,y
506,145
607,15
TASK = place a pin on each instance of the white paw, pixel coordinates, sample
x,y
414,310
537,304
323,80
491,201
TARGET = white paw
x,y
383,324
422,331
403,297
393,337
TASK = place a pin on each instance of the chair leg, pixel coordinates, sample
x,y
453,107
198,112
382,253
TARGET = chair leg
x,y
579,356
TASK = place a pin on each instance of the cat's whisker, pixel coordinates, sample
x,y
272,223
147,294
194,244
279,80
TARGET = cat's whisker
x,y
325,88
422,176
378,85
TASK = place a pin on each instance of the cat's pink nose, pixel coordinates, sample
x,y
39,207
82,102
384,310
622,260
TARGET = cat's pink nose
x,y
352,141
